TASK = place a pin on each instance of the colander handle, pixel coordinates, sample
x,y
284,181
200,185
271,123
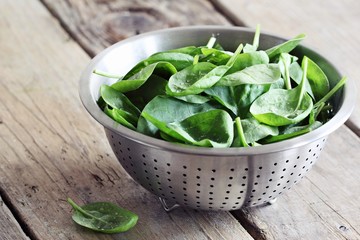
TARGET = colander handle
x,y
166,206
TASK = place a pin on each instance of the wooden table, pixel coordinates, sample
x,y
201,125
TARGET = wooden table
x,y
51,149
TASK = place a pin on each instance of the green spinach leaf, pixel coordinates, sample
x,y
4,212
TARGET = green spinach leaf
x,y
195,79
178,59
117,100
103,217
138,79
256,74
285,47
317,79
168,109
279,107
198,129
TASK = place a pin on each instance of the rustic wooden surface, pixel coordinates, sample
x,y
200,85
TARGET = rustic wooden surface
x,y
10,228
330,25
50,148
98,24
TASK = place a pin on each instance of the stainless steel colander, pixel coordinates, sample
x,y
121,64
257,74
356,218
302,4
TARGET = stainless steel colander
x,y
208,178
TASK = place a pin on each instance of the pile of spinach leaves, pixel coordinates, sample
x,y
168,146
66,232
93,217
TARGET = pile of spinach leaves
x,y
207,96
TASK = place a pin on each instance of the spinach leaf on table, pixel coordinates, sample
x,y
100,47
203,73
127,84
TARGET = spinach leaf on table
x,y
103,217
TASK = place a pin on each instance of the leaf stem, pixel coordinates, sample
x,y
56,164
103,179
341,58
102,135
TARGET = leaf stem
x,y
196,59
233,57
287,74
302,83
211,42
106,74
78,208
256,36
240,132
331,92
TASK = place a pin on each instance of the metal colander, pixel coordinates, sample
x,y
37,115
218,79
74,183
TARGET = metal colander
x,y
208,178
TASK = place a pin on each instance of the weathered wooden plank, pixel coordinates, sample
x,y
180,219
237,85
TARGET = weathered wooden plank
x,y
98,24
9,227
51,149
325,204
329,26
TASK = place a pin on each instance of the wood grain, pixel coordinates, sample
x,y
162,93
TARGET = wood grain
x,y
51,149
9,227
98,24
329,25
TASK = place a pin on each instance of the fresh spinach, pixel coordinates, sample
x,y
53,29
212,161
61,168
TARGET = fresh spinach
x,y
279,107
198,129
211,97
285,47
117,104
103,217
